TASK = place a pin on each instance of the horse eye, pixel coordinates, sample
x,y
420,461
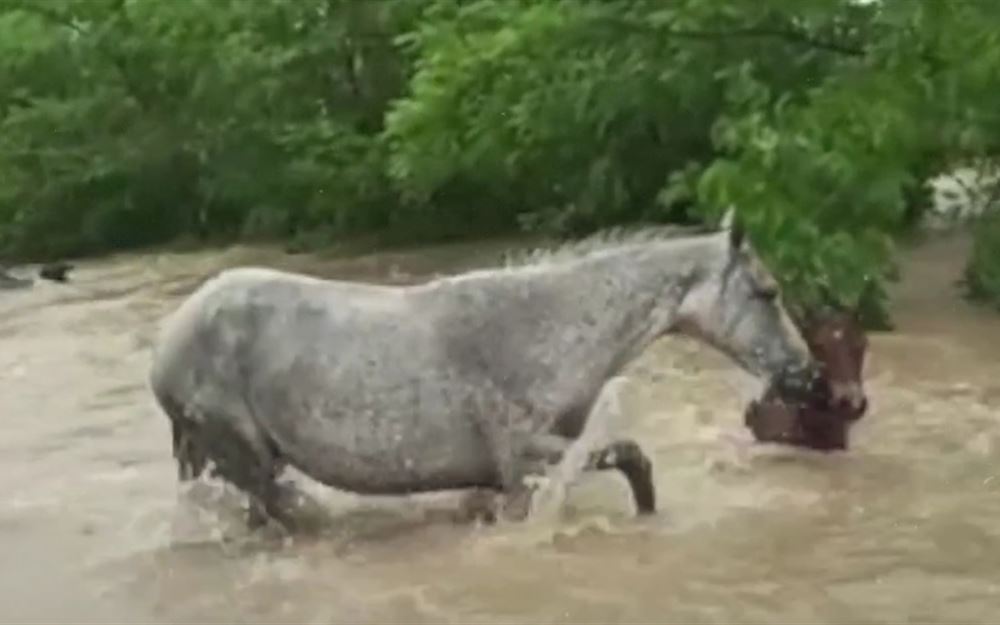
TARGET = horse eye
x,y
767,294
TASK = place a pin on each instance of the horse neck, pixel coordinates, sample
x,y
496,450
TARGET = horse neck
x,y
667,271
611,303
596,312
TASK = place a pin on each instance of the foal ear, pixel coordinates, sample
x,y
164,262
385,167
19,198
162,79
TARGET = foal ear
x,y
727,218
866,291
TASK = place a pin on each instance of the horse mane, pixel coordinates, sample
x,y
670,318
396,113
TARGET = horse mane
x,y
608,239
542,256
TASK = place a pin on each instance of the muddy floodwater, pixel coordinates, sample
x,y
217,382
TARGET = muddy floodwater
x,y
904,527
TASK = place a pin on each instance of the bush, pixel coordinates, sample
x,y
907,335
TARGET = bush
x,y
125,124
130,123
982,274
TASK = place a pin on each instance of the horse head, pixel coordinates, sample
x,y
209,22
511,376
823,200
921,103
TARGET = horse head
x,y
735,305
837,339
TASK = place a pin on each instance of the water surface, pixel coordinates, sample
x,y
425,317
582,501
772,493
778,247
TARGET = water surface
x,y
903,527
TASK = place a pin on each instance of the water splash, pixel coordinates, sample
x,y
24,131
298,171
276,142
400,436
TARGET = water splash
x,y
551,493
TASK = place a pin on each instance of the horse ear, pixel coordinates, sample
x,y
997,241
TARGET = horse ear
x,y
728,218
737,234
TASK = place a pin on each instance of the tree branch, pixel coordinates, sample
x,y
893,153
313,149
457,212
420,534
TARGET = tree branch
x,y
790,36
116,60
48,15
787,35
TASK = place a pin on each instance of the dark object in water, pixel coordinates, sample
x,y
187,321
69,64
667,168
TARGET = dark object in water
x,y
818,415
56,272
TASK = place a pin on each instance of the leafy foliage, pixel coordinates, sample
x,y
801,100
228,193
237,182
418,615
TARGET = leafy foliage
x,y
130,122
982,274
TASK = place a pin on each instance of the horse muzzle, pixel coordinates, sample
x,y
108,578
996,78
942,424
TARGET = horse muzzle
x,y
805,384
849,399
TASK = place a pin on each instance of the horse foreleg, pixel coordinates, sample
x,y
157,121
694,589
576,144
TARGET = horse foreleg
x,y
622,455
626,456
601,416
517,484
520,455
507,431
489,504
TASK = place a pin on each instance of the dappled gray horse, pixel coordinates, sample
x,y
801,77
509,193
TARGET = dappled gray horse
x,y
469,381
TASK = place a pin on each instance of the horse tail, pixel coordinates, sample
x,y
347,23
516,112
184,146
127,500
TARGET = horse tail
x,y
188,448
190,455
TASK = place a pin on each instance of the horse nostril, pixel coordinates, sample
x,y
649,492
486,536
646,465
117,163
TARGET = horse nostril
x,y
854,408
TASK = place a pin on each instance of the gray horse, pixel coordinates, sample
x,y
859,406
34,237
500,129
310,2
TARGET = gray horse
x,y
475,381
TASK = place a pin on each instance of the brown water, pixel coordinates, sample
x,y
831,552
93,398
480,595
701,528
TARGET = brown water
x,y
903,528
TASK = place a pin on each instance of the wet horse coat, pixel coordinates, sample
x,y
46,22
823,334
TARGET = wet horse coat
x,y
476,380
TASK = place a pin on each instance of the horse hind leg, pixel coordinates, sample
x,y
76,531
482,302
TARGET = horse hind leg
x,y
190,457
187,451
247,461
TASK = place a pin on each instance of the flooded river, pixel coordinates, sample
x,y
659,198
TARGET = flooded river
x,y
905,527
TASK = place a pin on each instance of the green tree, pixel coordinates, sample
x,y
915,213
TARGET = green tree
x,y
131,122
128,122
820,122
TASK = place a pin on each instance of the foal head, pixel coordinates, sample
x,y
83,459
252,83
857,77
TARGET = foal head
x,y
820,419
838,341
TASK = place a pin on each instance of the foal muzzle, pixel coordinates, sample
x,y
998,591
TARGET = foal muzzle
x,y
849,399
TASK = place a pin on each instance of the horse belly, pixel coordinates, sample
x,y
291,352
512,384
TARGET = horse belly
x,y
358,397
367,459
386,445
